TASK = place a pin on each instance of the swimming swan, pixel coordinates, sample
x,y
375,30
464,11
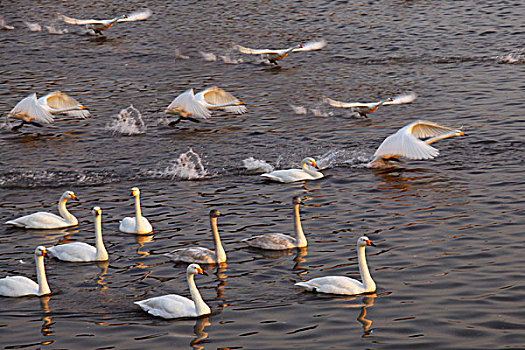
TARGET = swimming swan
x,y
275,55
365,108
345,285
279,241
138,224
59,102
80,251
199,254
17,286
43,220
176,306
406,142
308,172
98,25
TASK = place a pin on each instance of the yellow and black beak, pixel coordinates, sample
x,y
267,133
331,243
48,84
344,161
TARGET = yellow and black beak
x,y
369,242
201,271
314,164
74,197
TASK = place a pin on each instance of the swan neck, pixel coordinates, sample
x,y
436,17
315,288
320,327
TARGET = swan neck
x,y
310,170
299,234
200,306
440,137
43,287
70,218
368,282
138,213
219,250
102,253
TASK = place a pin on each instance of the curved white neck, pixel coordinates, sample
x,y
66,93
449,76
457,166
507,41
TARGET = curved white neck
x,y
200,306
138,214
368,282
441,137
299,234
70,218
219,250
102,253
43,287
310,170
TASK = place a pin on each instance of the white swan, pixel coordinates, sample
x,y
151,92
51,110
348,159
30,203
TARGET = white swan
x,y
308,172
279,241
406,142
138,224
177,306
29,111
98,25
59,102
17,286
275,55
202,255
80,251
43,220
365,108
345,285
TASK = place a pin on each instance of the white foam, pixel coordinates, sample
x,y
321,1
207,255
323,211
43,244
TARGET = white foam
x,y
56,31
128,122
516,57
299,109
4,25
256,166
228,60
180,56
187,166
208,56
34,27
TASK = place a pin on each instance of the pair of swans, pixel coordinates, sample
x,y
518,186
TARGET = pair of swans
x,y
201,104
406,142
276,55
365,108
31,110
309,171
99,25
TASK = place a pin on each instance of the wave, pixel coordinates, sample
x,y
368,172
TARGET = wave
x,y
187,166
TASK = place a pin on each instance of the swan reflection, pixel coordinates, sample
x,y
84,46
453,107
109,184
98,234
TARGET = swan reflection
x,y
200,334
47,322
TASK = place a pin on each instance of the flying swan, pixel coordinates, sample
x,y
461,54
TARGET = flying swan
x,y
365,108
80,251
138,224
279,241
345,285
308,171
98,25
275,55
202,255
18,286
43,220
406,142
177,306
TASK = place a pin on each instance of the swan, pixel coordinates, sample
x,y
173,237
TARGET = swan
x,y
406,142
279,241
177,306
345,285
98,25
29,111
80,251
17,286
365,108
138,224
59,102
43,220
199,254
308,172
275,55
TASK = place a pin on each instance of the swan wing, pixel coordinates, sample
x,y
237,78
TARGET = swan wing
x,y
73,252
423,129
336,103
333,285
128,225
60,100
406,98
71,20
312,45
40,220
198,255
28,109
17,286
405,145
257,51
190,104
271,241
169,306
136,16
217,96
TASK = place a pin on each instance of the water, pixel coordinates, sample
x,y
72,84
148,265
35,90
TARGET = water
x,y
448,265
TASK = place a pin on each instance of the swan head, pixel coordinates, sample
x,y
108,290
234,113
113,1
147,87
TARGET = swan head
x,y
195,269
135,191
97,211
297,200
70,195
215,213
309,161
460,133
40,251
364,241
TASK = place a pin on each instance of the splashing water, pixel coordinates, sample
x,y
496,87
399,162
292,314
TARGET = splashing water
x,y
229,60
56,31
517,57
256,166
335,157
180,56
299,109
4,25
34,27
208,56
188,166
128,122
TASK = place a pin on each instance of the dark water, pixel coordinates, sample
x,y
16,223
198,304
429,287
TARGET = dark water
x,y
449,262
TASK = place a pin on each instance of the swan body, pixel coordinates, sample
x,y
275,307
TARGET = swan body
x,y
44,220
176,306
18,286
275,55
365,108
216,98
59,102
80,251
28,110
202,255
279,241
407,143
98,25
138,224
308,171
345,285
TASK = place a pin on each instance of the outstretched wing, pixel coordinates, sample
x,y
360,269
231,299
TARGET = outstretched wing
x,y
30,108
336,103
255,51
423,129
406,98
136,16
312,45
216,96
189,103
60,100
71,20
405,145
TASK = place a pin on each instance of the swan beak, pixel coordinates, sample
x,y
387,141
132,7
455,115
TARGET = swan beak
x,y
314,164
74,197
82,107
240,103
369,242
201,271
44,252
461,133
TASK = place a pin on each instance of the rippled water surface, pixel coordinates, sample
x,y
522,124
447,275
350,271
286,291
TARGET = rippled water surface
x,y
449,259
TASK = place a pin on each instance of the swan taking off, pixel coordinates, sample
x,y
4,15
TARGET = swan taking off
x,y
138,224
202,255
80,251
98,25
279,241
275,55
177,306
43,220
406,142
365,108
308,171
18,286
345,285
200,105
